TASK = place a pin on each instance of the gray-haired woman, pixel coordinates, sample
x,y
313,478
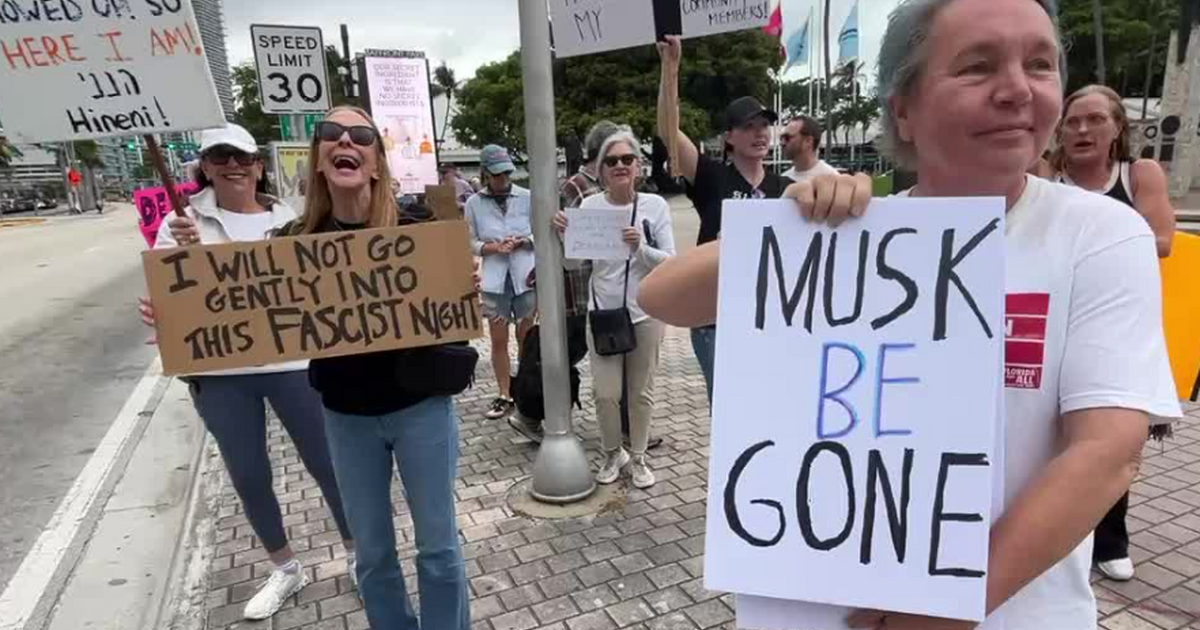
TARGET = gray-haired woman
x,y
615,283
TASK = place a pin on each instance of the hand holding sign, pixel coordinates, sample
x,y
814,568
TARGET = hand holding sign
x,y
597,234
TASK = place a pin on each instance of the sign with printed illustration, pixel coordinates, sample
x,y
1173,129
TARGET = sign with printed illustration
x,y
595,234
247,304
73,70
291,169
848,432
153,206
292,74
584,27
397,86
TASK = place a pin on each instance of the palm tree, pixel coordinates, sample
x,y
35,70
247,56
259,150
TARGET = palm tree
x,y
444,82
8,153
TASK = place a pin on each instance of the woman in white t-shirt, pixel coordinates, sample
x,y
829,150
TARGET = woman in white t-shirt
x,y
972,91
232,205
615,284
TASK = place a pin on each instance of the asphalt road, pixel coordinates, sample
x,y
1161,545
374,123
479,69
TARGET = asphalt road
x,y
71,350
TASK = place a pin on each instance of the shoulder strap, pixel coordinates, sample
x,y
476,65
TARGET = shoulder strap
x,y
592,280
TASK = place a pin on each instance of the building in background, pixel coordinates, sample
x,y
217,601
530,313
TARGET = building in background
x,y
210,15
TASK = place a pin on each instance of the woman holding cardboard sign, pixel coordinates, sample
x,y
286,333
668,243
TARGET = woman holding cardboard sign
x,y
232,206
971,93
390,409
624,340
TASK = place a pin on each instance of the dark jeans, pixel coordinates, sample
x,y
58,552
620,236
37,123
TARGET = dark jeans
x,y
234,412
1111,541
704,344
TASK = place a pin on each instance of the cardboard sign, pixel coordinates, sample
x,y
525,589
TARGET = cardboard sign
x,y
74,70
153,205
583,27
1181,313
255,303
848,433
398,90
595,234
292,75
443,202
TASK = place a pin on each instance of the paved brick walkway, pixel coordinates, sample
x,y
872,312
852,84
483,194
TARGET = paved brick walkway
x,y
639,566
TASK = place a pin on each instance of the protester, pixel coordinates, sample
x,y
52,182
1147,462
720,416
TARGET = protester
x,y
1094,154
232,206
448,175
614,284
388,410
748,134
801,141
971,93
499,218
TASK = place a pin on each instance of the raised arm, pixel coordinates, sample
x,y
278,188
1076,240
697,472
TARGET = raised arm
x,y
684,156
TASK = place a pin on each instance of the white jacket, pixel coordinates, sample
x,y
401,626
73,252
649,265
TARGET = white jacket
x,y
202,208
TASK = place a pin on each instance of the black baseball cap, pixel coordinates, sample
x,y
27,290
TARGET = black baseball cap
x,y
745,109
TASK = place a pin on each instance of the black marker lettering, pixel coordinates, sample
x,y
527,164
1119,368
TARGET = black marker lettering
x,y
808,274
939,517
864,244
887,272
731,509
897,515
946,275
804,509
181,282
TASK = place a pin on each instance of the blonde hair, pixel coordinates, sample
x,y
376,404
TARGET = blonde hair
x,y
318,205
1119,150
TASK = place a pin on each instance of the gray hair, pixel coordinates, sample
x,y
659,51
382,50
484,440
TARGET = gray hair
x,y
624,135
596,137
903,56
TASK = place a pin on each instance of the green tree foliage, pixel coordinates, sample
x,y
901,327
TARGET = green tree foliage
x,y
1131,27
444,83
621,86
8,153
264,127
88,154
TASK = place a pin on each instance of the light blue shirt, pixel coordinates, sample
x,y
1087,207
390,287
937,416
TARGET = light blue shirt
x,y
488,224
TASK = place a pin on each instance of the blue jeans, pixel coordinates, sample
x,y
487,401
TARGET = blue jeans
x,y
423,440
704,344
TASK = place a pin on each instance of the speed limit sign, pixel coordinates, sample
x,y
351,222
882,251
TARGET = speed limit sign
x,y
292,76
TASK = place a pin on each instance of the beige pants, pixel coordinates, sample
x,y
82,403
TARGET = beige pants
x,y
640,366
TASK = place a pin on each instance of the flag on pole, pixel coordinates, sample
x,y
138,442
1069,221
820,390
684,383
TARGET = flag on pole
x,y
774,26
797,45
848,38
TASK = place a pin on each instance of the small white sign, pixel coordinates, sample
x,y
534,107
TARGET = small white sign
x,y
852,462
79,70
292,75
595,234
703,17
582,27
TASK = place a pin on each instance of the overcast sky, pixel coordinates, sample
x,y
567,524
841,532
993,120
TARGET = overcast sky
x,y
468,33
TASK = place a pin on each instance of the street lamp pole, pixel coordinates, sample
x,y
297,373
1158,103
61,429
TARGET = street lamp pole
x,y
560,473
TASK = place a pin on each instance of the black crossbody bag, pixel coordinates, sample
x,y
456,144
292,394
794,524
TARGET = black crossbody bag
x,y
612,328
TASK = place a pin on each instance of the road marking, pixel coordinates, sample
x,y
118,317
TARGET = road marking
x,y
28,584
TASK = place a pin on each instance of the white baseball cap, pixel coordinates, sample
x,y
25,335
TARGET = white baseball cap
x,y
229,135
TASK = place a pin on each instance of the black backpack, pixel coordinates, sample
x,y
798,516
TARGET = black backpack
x,y
527,384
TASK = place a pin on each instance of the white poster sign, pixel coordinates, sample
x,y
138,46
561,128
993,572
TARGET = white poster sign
x,y
292,75
583,27
595,234
78,70
852,463
398,84
705,17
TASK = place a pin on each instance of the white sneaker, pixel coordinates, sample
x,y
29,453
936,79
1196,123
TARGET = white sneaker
x,y
277,589
643,477
1120,570
352,568
613,464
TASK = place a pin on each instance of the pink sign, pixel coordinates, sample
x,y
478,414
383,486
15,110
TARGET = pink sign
x,y
153,205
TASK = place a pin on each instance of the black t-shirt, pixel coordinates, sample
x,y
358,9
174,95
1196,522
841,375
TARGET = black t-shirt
x,y
715,182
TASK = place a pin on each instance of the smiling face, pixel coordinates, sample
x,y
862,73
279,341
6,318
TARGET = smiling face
x,y
752,140
989,97
1089,129
616,172
346,165
234,175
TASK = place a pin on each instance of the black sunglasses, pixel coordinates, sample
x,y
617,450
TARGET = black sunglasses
x,y
362,135
628,159
220,156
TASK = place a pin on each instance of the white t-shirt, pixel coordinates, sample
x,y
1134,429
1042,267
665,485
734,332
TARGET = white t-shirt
x,y
608,276
1083,330
241,226
820,168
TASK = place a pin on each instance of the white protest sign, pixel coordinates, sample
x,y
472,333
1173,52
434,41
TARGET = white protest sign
x,y
583,27
852,463
398,85
595,234
706,17
73,70
292,75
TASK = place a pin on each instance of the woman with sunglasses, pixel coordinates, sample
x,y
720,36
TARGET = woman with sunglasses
x,y
386,410
232,206
615,283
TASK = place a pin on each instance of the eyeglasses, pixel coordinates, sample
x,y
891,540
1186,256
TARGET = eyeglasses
x,y
1074,123
220,156
362,135
627,160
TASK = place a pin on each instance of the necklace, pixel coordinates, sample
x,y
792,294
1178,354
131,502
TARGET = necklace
x,y
345,226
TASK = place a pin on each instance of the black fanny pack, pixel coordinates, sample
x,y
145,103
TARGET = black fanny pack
x,y
438,370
